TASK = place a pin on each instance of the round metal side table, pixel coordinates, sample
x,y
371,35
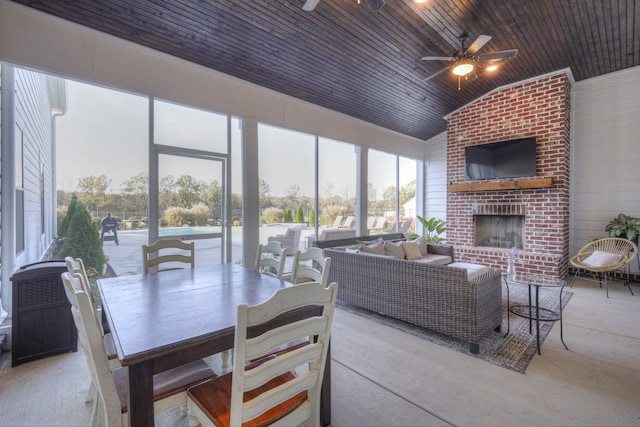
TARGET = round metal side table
x,y
532,310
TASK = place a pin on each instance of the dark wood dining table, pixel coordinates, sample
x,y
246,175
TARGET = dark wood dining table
x,y
163,320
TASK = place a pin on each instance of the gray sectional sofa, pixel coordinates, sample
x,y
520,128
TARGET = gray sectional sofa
x,y
426,294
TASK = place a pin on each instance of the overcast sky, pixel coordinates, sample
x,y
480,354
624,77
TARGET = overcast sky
x,y
110,128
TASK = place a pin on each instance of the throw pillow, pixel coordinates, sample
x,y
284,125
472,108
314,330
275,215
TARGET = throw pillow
x,y
375,248
600,258
352,251
394,249
411,250
422,244
290,232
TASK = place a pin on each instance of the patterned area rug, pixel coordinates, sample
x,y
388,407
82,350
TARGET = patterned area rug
x,y
514,351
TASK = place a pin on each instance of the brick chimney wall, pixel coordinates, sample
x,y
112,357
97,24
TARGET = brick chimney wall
x,y
540,108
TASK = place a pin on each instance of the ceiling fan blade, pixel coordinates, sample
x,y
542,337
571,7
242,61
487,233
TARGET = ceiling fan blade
x,y
437,73
310,5
438,58
496,56
478,43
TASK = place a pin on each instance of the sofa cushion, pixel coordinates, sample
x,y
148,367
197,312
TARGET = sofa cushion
x,y
395,249
376,248
411,250
473,270
422,244
435,259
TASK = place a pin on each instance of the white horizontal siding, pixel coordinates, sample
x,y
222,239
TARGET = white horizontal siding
x,y
436,177
605,154
33,116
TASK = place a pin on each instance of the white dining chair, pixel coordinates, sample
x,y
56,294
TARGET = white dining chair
x,y
270,259
265,389
310,265
79,279
169,254
111,400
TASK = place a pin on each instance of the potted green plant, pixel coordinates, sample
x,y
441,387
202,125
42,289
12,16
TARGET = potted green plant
x,y
624,226
433,228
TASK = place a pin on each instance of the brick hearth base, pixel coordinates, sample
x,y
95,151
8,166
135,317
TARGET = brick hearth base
x,y
497,258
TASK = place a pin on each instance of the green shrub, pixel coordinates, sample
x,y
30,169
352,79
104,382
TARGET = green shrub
x,y
62,230
299,215
177,216
329,213
288,216
200,213
83,241
312,217
272,215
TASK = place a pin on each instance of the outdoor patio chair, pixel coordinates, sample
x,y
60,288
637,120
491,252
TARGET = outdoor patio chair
x,y
348,223
371,222
170,252
404,226
603,257
290,240
378,226
281,390
169,386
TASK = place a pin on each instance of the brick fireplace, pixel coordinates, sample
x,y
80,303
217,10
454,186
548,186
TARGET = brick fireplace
x,y
539,108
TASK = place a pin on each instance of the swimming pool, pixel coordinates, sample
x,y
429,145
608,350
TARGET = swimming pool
x,y
178,231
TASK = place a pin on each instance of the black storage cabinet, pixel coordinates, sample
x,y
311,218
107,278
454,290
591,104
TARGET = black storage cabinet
x,y
42,321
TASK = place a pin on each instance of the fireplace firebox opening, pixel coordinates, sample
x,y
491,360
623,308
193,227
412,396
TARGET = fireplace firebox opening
x,y
499,231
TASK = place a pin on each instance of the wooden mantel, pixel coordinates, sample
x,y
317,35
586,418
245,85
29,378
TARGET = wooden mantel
x,y
515,184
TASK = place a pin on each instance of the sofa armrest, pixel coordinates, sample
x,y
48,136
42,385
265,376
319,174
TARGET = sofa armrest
x,y
438,249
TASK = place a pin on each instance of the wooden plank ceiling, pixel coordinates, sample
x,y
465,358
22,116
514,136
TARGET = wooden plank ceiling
x,y
366,64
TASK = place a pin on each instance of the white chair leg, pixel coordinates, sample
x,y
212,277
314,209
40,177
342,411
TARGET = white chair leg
x,y
193,421
226,357
95,412
91,393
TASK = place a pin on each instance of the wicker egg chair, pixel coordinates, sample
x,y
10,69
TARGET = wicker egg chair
x,y
603,257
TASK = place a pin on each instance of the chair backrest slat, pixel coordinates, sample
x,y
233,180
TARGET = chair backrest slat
x,y
312,356
317,271
75,266
155,255
270,259
91,339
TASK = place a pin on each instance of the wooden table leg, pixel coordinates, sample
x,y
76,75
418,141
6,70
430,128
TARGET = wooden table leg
x,y
140,398
325,393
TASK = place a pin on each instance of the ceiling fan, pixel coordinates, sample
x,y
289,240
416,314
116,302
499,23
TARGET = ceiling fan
x,y
467,63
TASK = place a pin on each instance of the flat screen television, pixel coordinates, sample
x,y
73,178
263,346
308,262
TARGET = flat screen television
x,y
505,159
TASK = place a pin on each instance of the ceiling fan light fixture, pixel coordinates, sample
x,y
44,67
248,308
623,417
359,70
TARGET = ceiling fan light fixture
x,y
310,5
462,68
375,4
491,67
